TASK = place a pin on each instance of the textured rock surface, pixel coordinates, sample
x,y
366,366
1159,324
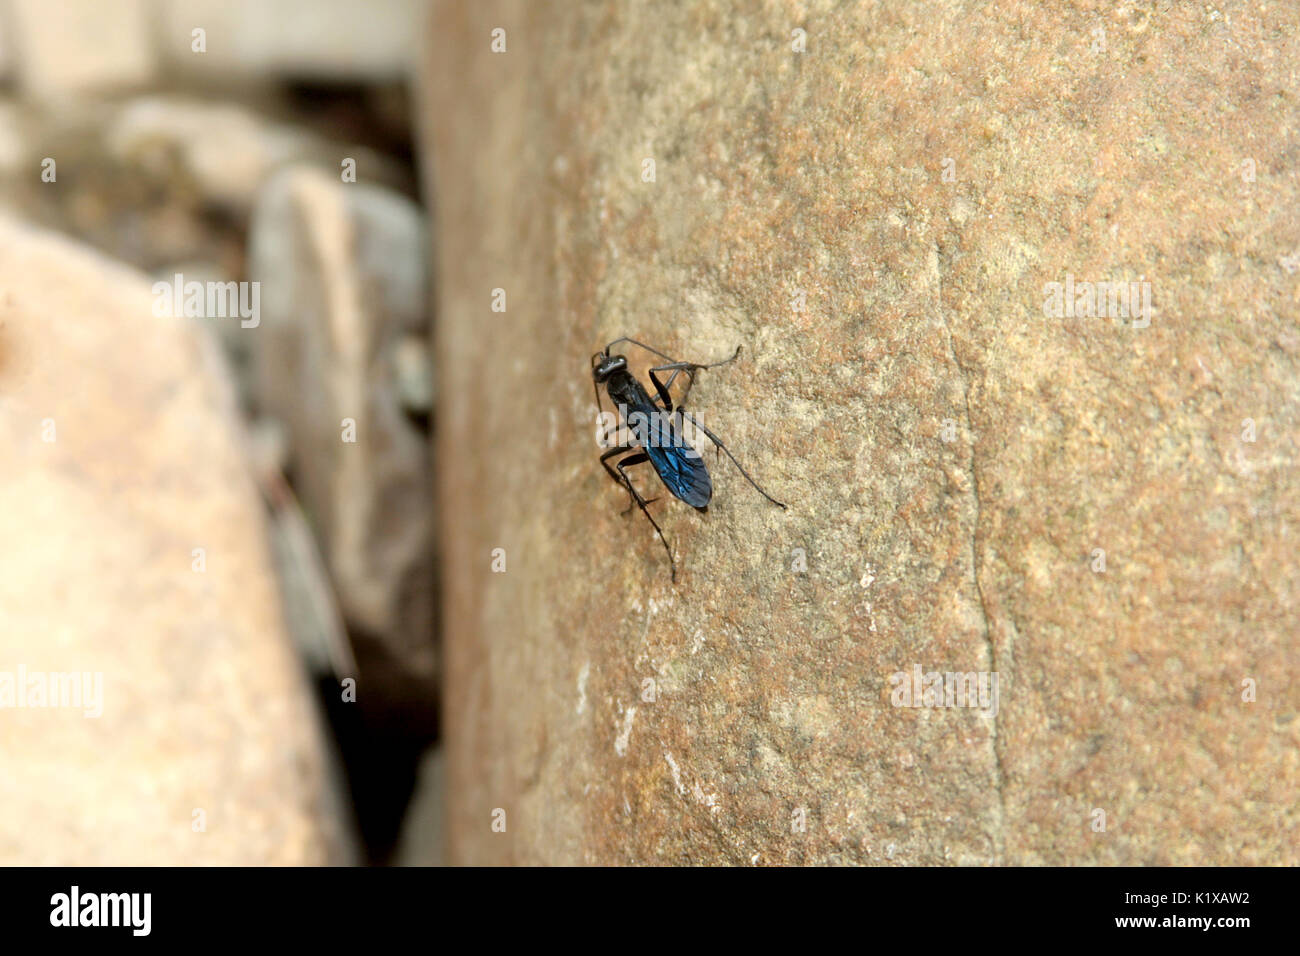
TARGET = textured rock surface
x,y
953,456
120,458
343,272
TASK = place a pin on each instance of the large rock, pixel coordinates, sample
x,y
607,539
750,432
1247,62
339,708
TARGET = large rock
x,y
877,220
121,458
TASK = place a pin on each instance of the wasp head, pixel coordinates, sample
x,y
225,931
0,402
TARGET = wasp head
x,y
603,365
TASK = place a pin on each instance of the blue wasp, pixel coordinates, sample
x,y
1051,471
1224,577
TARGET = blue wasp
x,y
658,433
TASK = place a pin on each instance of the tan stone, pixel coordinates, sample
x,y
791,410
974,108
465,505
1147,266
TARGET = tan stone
x,y
63,47
331,39
204,704
952,454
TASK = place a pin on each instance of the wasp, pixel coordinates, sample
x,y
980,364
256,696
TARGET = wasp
x,y
657,432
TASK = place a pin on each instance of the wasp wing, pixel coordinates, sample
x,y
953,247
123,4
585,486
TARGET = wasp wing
x,y
679,465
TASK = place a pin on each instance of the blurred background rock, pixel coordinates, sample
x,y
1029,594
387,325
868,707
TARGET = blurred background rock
x,y
214,140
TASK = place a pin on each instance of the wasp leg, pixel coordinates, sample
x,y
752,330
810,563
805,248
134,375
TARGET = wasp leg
x,y
690,368
621,482
638,345
674,366
714,438
637,458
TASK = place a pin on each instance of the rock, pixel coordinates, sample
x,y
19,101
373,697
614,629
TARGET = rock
x,y
413,370
79,46
342,271
165,183
311,607
336,40
12,136
6,53
874,202
122,460
226,151
144,209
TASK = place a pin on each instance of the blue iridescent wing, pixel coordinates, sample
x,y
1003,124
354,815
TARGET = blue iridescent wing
x,y
678,464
